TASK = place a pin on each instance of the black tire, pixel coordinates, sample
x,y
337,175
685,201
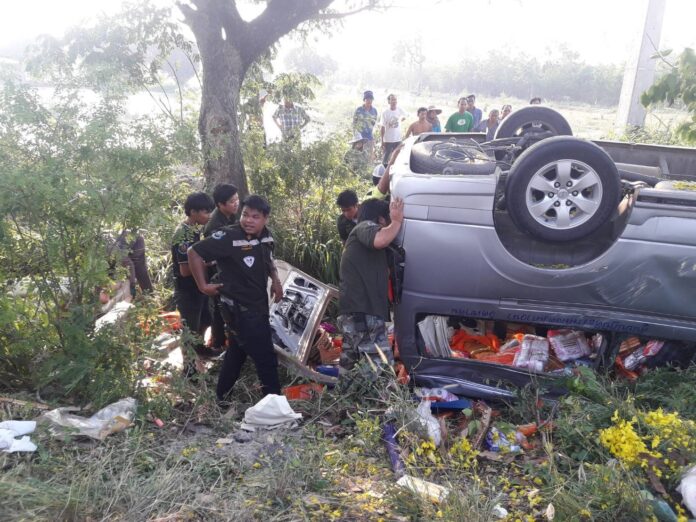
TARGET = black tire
x,y
535,120
437,157
539,190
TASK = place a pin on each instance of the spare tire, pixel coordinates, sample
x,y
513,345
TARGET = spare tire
x,y
533,120
562,189
448,157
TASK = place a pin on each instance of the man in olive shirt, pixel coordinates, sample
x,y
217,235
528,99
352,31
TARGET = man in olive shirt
x,y
226,201
363,304
461,121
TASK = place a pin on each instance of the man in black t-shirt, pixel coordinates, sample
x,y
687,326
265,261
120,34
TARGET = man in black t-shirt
x,y
191,303
226,201
363,303
244,256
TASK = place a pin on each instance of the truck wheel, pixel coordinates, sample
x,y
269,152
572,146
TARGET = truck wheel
x,y
562,189
533,120
437,157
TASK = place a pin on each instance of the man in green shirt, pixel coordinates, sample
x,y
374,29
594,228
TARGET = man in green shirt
x,y
363,304
460,121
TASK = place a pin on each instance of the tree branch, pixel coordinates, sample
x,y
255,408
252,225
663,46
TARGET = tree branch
x,y
371,4
279,18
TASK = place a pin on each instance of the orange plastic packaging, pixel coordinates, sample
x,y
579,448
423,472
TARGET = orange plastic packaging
x,y
498,358
528,429
461,339
303,392
172,319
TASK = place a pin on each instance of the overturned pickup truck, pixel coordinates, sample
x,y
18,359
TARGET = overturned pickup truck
x,y
537,233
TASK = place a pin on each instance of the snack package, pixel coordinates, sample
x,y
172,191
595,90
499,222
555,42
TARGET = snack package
x,y
569,344
497,441
638,357
533,354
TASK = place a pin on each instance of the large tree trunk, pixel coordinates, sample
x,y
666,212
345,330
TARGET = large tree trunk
x,y
228,45
223,74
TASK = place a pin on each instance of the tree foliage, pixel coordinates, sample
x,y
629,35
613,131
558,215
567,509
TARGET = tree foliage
x,y
562,76
302,184
72,171
306,59
678,85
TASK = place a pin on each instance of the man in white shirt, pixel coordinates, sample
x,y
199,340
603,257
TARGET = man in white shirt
x,y
390,127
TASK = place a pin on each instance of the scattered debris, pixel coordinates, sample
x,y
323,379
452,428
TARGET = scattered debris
x,y
389,438
271,412
433,492
10,430
429,422
113,316
687,488
499,512
486,414
111,419
304,392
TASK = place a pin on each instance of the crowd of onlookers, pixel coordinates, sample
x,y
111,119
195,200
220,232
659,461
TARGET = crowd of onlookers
x,y
369,125
368,122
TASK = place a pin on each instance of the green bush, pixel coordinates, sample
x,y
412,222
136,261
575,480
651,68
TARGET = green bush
x,y
71,172
302,183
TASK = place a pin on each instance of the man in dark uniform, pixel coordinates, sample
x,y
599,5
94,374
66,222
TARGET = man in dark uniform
x,y
191,303
244,256
226,201
347,201
363,303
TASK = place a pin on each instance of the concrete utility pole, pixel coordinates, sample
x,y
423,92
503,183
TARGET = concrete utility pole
x,y
640,69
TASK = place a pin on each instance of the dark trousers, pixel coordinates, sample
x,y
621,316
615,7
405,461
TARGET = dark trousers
x,y
251,333
389,147
217,327
193,307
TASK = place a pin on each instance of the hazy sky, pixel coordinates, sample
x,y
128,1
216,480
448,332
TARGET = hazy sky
x,y
600,30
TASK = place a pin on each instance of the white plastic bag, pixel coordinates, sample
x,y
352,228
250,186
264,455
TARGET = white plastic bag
x,y
10,430
426,418
687,488
569,344
111,419
533,354
273,411
433,492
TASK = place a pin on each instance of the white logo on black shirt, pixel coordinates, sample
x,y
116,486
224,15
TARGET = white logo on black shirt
x,y
218,234
249,261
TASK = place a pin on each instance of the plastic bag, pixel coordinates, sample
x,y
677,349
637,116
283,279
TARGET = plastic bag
x,y
569,344
111,419
638,357
273,411
533,354
498,442
433,492
687,488
10,430
426,418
